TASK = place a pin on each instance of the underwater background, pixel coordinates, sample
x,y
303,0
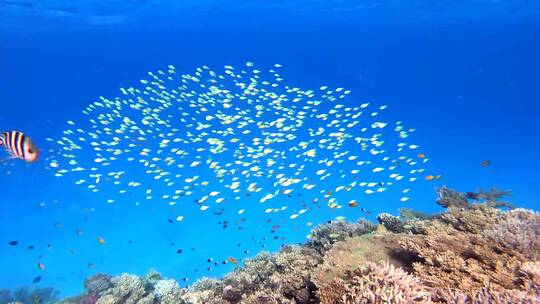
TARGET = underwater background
x,y
463,74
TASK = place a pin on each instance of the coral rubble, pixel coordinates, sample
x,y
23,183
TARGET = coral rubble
x,y
470,253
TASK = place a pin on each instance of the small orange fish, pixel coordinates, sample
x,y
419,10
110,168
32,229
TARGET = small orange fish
x,y
485,163
432,177
232,260
101,240
421,155
353,204
40,266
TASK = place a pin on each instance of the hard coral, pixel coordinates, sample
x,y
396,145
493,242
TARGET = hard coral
x,y
293,275
530,276
447,197
97,283
283,277
456,259
487,295
168,292
383,283
323,236
126,289
206,291
29,295
517,229
254,273
347,255
390,222
476,219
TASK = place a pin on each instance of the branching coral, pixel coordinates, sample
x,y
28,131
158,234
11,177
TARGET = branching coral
x,y
517,229
452,258
323,236
254,273
205,290
29,295
98,283
487,295
294,265
476,219
408,214
347,255
286,273
129,288
447,197
375,284
392,223
168,292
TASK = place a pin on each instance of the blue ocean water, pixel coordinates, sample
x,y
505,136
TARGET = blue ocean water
x,y
463,74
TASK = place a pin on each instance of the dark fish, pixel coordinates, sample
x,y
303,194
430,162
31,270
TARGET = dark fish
x,y
31,247
179,251
13,243
20,146
485,163
473,195
36,279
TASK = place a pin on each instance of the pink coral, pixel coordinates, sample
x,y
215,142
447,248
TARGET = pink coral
x,y
517,229
383,283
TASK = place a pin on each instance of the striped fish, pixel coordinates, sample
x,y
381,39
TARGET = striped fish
x,y
18,145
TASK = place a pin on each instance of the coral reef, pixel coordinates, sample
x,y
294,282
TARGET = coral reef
x,y
349,254
129,289
383,283
29,295
517,230
322,237
391,223
470,253
447,197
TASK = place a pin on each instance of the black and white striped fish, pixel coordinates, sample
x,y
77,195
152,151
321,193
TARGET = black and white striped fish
x,y
18,145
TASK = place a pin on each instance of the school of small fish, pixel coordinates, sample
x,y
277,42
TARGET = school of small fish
x,y
215,136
